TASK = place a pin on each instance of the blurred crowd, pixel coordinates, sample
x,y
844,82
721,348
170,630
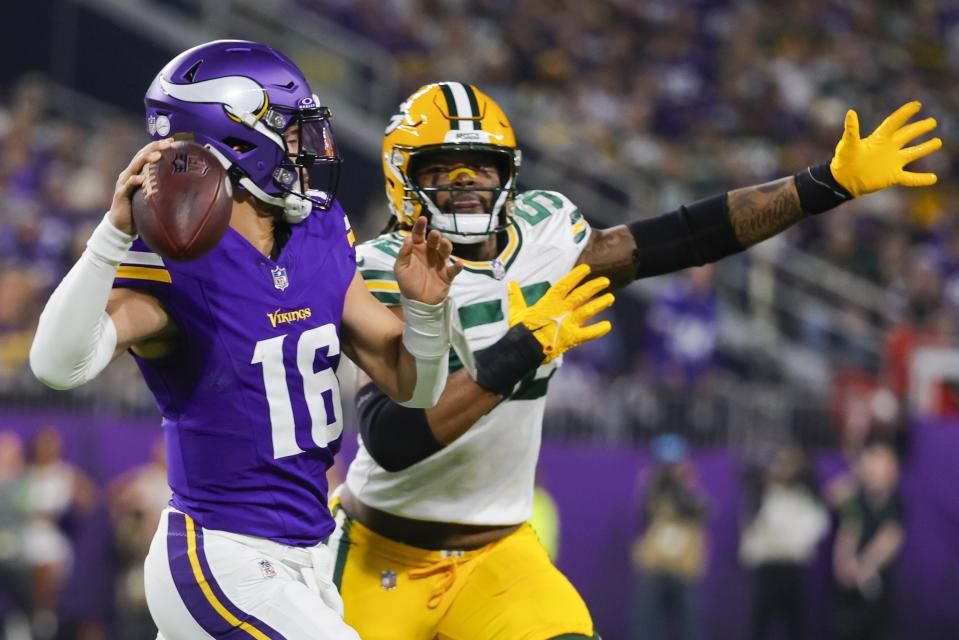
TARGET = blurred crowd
x,y
57,176
672,101
669,100
71,553
785,518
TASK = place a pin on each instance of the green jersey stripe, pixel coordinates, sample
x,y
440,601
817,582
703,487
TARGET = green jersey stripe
x,y
473,315
375,274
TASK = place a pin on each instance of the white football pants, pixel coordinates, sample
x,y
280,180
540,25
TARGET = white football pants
x,y
202,583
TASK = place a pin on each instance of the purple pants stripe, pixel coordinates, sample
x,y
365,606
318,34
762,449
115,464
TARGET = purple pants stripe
x,y
211,608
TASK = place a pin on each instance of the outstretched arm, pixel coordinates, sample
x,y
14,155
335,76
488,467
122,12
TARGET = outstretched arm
x,y
713,228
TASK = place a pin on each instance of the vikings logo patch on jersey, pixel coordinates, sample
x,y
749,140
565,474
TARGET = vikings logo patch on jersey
x,y
280,281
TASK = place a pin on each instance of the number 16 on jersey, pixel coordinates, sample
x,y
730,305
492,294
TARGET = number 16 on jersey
x,y
321,389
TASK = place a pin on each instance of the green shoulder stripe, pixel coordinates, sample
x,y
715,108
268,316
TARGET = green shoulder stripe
x,y
378,274
389,244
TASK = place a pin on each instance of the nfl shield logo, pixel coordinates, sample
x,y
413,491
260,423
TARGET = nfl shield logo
x,y
499,271
388,580
280,281
266,568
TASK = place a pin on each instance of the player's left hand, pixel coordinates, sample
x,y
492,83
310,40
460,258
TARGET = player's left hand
x,y
423,269
864,165
558,320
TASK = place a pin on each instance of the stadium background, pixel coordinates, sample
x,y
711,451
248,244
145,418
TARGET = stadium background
x,y
841,328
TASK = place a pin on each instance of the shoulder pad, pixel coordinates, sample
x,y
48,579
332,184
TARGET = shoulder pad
x,y
550,212
375,259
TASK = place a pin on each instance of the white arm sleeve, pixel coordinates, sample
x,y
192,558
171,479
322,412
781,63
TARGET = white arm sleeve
x,y
426,337
75,337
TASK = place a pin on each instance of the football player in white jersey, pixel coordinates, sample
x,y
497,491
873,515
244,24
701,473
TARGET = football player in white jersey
x,y
432,539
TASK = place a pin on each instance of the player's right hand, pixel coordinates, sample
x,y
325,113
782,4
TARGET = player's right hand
x,y
864,165
557,318
130,179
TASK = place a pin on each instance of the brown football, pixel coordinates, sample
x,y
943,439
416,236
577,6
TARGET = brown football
x,y
184,206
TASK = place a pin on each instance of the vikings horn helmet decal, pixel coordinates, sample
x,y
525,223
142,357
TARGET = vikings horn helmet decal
x,y
444,117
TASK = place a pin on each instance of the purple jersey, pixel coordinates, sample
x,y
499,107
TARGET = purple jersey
x,y
250,400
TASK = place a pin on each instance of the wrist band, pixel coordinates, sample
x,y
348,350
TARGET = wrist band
x,y
818,189
501,366
426,334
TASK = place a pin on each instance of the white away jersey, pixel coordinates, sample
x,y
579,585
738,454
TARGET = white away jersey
x,y
486,476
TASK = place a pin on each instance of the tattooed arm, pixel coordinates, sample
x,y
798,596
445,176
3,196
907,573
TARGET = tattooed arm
x,y
711,229
612,253
693,235
762,211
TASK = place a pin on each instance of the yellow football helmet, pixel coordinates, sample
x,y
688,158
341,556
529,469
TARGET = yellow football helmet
x,y
444,117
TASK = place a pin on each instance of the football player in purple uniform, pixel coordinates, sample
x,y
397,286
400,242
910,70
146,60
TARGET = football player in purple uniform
x,y
240,347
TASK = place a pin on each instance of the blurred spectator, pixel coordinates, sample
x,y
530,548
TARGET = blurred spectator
x,y
780,540
868,542
18,313
670,555
136,500
926,323
684,323
14,581
54,489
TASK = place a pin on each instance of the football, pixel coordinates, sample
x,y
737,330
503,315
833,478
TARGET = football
x,y
184,206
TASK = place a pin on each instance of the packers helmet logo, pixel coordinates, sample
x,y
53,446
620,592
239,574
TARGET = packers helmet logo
x,y
395,121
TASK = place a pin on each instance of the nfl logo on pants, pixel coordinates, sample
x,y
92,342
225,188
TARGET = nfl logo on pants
x,y
388,580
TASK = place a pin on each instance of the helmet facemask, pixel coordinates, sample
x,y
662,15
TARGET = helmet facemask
x,y
465,227
311,169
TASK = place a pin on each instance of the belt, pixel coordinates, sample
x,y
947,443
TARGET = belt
x,y
425,534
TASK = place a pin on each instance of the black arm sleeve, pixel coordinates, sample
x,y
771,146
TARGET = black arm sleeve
x,y
396,437
690,236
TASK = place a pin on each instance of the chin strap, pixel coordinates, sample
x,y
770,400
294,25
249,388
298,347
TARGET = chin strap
x,y
475,227
465,228
296,209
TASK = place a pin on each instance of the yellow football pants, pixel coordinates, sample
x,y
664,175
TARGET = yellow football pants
x,y
507,590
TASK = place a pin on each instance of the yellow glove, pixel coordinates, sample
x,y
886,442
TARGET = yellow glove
x,y
864,165
557,318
